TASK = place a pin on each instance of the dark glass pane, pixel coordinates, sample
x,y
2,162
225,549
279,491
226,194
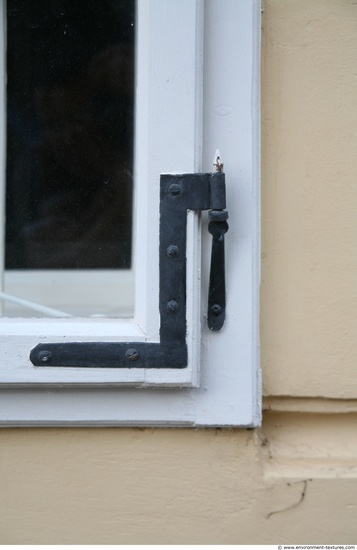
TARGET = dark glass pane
x,y
70,103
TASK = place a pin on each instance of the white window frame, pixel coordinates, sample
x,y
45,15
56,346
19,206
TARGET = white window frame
x,y
188,104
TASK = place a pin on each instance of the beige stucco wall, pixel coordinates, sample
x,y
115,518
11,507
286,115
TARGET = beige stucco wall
x,y
296,479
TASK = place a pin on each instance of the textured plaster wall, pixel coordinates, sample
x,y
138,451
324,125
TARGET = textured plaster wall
x,y
309,116
117,486
296,479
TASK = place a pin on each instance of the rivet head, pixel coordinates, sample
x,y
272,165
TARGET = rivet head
x,y
172,306
216,309
45,356
174,189
132,354
172,251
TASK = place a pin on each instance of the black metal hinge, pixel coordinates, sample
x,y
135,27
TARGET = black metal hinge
x,y
178,193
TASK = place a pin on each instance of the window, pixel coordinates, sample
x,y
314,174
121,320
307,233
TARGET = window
x,y
70,114
197,77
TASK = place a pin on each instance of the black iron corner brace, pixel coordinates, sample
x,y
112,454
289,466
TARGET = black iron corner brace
x,y
178,193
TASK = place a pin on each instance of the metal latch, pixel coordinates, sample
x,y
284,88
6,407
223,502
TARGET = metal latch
x,y
217,227
178,193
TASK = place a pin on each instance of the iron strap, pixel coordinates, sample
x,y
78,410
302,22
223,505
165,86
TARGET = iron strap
x,y
178,193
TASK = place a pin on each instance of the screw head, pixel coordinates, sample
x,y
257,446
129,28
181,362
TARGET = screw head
x,y
172,306
45,356
175,189
216,309
172,251
132,354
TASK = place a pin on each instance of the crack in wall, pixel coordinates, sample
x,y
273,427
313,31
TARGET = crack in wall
x,y
295,504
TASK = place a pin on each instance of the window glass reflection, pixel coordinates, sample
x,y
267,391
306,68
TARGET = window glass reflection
x,y
70,103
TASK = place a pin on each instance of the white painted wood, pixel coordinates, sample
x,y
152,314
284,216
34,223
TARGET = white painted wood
x,y
168,136
228,394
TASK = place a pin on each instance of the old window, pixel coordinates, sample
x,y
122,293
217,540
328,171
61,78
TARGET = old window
x,y
196,89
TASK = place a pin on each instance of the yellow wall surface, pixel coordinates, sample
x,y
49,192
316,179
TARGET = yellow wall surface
x,y
294,480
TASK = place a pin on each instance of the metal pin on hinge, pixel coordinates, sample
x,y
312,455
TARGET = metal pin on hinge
x,y
217,227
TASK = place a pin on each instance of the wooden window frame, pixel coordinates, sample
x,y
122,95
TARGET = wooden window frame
x,y
197,89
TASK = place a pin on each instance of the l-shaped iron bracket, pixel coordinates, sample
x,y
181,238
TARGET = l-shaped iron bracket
x,y
178,193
